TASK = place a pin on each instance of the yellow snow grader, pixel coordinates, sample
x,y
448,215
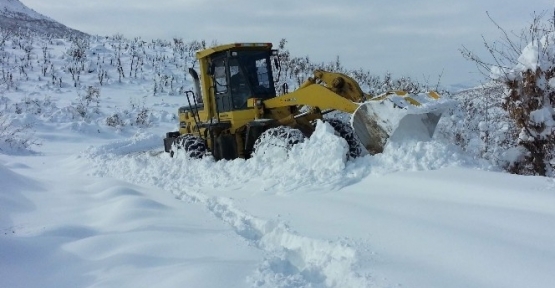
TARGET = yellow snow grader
x,y
234,107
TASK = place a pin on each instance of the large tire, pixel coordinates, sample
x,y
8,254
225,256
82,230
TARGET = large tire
x,y
346,132
194,146
281,136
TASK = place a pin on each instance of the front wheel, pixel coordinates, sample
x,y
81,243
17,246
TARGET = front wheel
x,y
346,132
194,146
281,137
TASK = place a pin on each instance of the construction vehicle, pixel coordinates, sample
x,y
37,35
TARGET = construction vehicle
x,y
234,107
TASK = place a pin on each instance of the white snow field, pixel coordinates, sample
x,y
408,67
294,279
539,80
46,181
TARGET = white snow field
x,y
98,206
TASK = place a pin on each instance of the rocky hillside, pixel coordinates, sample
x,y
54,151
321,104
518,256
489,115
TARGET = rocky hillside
x,y
15,16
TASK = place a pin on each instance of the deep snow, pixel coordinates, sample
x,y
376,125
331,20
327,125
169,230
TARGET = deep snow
x,y
98,206
419,215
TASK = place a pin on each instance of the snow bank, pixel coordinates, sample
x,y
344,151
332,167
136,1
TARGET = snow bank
x,y
418,156
319,162
321,159
11,197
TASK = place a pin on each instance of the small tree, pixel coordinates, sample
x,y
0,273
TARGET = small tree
x,y
91,100
527,67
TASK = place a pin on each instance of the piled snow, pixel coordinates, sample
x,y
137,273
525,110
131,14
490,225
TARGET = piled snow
x,y
530,58
319,161
537,54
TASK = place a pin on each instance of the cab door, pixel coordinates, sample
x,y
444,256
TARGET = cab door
x,y
222,92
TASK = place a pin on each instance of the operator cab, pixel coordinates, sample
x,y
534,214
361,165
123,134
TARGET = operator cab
x,y
241,73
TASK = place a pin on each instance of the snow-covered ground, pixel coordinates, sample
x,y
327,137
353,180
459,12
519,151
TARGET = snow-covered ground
x,y
99,206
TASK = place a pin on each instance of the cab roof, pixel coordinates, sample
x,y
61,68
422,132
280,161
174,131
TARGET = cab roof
x,y
235,46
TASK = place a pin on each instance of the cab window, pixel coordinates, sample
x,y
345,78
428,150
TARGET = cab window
x,y
220,76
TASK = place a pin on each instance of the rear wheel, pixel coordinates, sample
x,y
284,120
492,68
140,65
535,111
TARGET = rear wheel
x,y
283,137
346,132
194,146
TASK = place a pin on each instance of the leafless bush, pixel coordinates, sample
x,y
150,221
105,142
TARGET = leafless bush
x,y
138,115
479,125
77,57
115,120
88,103
531,93
15,136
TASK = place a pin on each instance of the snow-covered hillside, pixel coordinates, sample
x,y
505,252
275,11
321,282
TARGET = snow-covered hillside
x,y
98,205
16,9
15,16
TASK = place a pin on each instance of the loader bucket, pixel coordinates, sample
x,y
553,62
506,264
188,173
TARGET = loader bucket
x,y
397,116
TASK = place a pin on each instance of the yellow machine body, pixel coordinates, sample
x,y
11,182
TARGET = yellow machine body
x,y
230,114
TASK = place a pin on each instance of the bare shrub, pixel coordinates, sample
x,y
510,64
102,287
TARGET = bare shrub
x,y
115,121
525,64
88,103
15,136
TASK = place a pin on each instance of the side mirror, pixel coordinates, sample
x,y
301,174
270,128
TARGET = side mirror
x,y
285,88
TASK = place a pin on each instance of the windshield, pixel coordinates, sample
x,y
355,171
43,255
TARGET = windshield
x,y
256,67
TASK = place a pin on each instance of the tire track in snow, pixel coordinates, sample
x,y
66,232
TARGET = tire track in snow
x,y
292,260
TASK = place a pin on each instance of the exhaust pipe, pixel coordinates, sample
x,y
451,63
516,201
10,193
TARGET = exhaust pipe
x,y
196,79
